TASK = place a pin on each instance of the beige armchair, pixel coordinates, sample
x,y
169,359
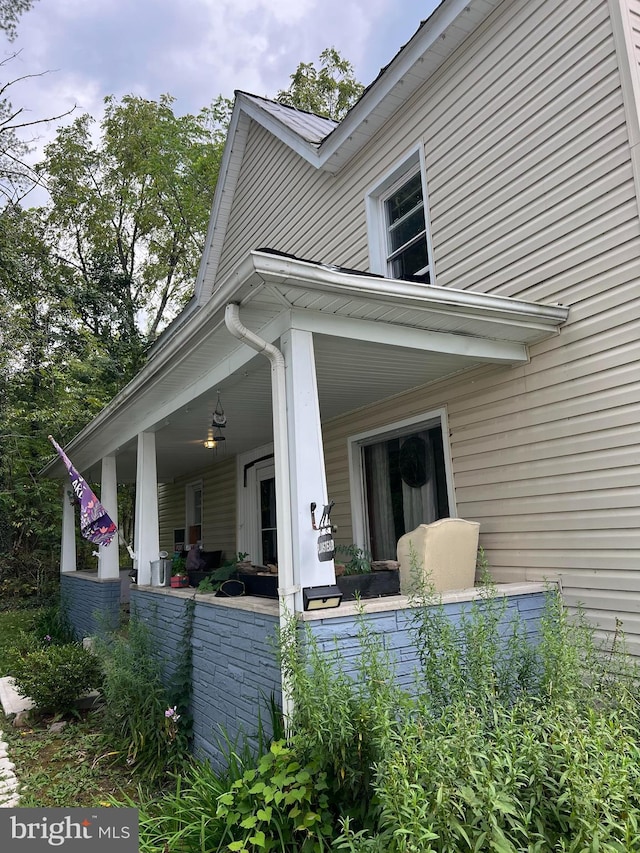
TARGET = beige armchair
x,y
444,554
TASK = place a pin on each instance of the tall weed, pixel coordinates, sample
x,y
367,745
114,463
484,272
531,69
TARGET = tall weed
x,y
141,723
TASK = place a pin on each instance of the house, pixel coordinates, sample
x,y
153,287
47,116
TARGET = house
x,y
456,262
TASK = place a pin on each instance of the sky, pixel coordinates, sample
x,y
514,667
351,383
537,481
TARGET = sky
x,y
195,50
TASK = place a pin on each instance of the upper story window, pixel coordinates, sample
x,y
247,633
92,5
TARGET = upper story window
x,y
398,224
407,256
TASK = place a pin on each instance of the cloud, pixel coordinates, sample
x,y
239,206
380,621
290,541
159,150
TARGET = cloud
x,y
195,49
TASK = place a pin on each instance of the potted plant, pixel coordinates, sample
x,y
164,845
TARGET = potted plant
x,y
357,578
179,576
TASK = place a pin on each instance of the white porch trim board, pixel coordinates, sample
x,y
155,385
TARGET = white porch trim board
x,y
109,556
68,541
147,537
308,481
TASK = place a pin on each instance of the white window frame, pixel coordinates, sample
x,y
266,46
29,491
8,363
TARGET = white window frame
x,y
189,491
412,162
359,518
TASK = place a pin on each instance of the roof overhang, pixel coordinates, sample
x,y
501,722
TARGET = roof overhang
x,y
374,337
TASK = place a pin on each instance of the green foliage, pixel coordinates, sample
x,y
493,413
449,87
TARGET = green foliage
x,y
326,91
10,12
280,806
130,212
52,625
55,676
341,722
178,566
141,723
359,562
546,758
184,819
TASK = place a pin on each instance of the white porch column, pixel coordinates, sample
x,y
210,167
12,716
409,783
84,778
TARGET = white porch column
x,y
147,536
109,559
68,544
306,460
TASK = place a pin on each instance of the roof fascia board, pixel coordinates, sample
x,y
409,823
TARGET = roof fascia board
x,y
277,269
433,29
292,139
426,37
225,188
258,269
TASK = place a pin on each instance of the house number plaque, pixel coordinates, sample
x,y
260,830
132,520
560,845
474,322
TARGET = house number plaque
x,y
326,547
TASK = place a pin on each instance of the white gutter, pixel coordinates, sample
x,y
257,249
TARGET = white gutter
x,y
286,587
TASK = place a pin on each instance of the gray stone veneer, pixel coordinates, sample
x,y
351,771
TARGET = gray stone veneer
x,y
395,625
234,663
92,605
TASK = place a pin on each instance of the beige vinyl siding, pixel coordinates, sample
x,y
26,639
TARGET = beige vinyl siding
x,y
531,195
218,507
632,8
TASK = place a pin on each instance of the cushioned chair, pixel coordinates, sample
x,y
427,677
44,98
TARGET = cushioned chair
x,y
209,562
443,554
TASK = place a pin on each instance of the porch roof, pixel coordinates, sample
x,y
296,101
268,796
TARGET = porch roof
x,y
373,337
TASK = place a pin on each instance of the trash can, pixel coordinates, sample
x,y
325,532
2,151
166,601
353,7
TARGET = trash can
x,y
161,570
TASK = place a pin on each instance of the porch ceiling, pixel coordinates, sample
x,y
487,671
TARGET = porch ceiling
x,y
373,338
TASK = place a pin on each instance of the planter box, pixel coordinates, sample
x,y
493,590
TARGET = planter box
x,y
371,585
265,585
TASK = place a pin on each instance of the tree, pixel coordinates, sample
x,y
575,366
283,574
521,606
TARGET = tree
x,y
16,177
129,214
10,12
329,91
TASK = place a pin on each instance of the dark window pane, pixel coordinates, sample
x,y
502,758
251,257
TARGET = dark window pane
x,y
268,502
408,264
405,199
269,547
405,230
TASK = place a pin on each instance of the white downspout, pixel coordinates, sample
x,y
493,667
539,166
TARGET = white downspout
x,y
286,587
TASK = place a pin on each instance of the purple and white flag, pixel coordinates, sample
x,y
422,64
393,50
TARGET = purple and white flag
x,y
95,524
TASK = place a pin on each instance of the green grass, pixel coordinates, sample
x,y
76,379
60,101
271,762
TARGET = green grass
x,y
68,769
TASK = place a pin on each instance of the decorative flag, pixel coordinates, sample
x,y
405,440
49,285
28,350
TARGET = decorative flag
x,y
95,524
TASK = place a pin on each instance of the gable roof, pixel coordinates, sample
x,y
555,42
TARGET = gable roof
x,y
328,145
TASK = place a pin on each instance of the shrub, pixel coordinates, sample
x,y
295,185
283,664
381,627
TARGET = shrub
x,y
55,677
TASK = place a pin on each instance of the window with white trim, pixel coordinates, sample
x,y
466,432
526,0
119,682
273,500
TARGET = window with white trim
x,y
399,235
401,480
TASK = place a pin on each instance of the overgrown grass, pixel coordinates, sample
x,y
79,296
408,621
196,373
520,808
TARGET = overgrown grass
x,y
12,624
69,768
506,744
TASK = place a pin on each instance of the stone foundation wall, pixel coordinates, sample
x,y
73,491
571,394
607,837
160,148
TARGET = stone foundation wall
x,y
92,605
235,671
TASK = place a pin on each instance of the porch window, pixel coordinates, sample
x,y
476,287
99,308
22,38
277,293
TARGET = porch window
x,y
404,482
